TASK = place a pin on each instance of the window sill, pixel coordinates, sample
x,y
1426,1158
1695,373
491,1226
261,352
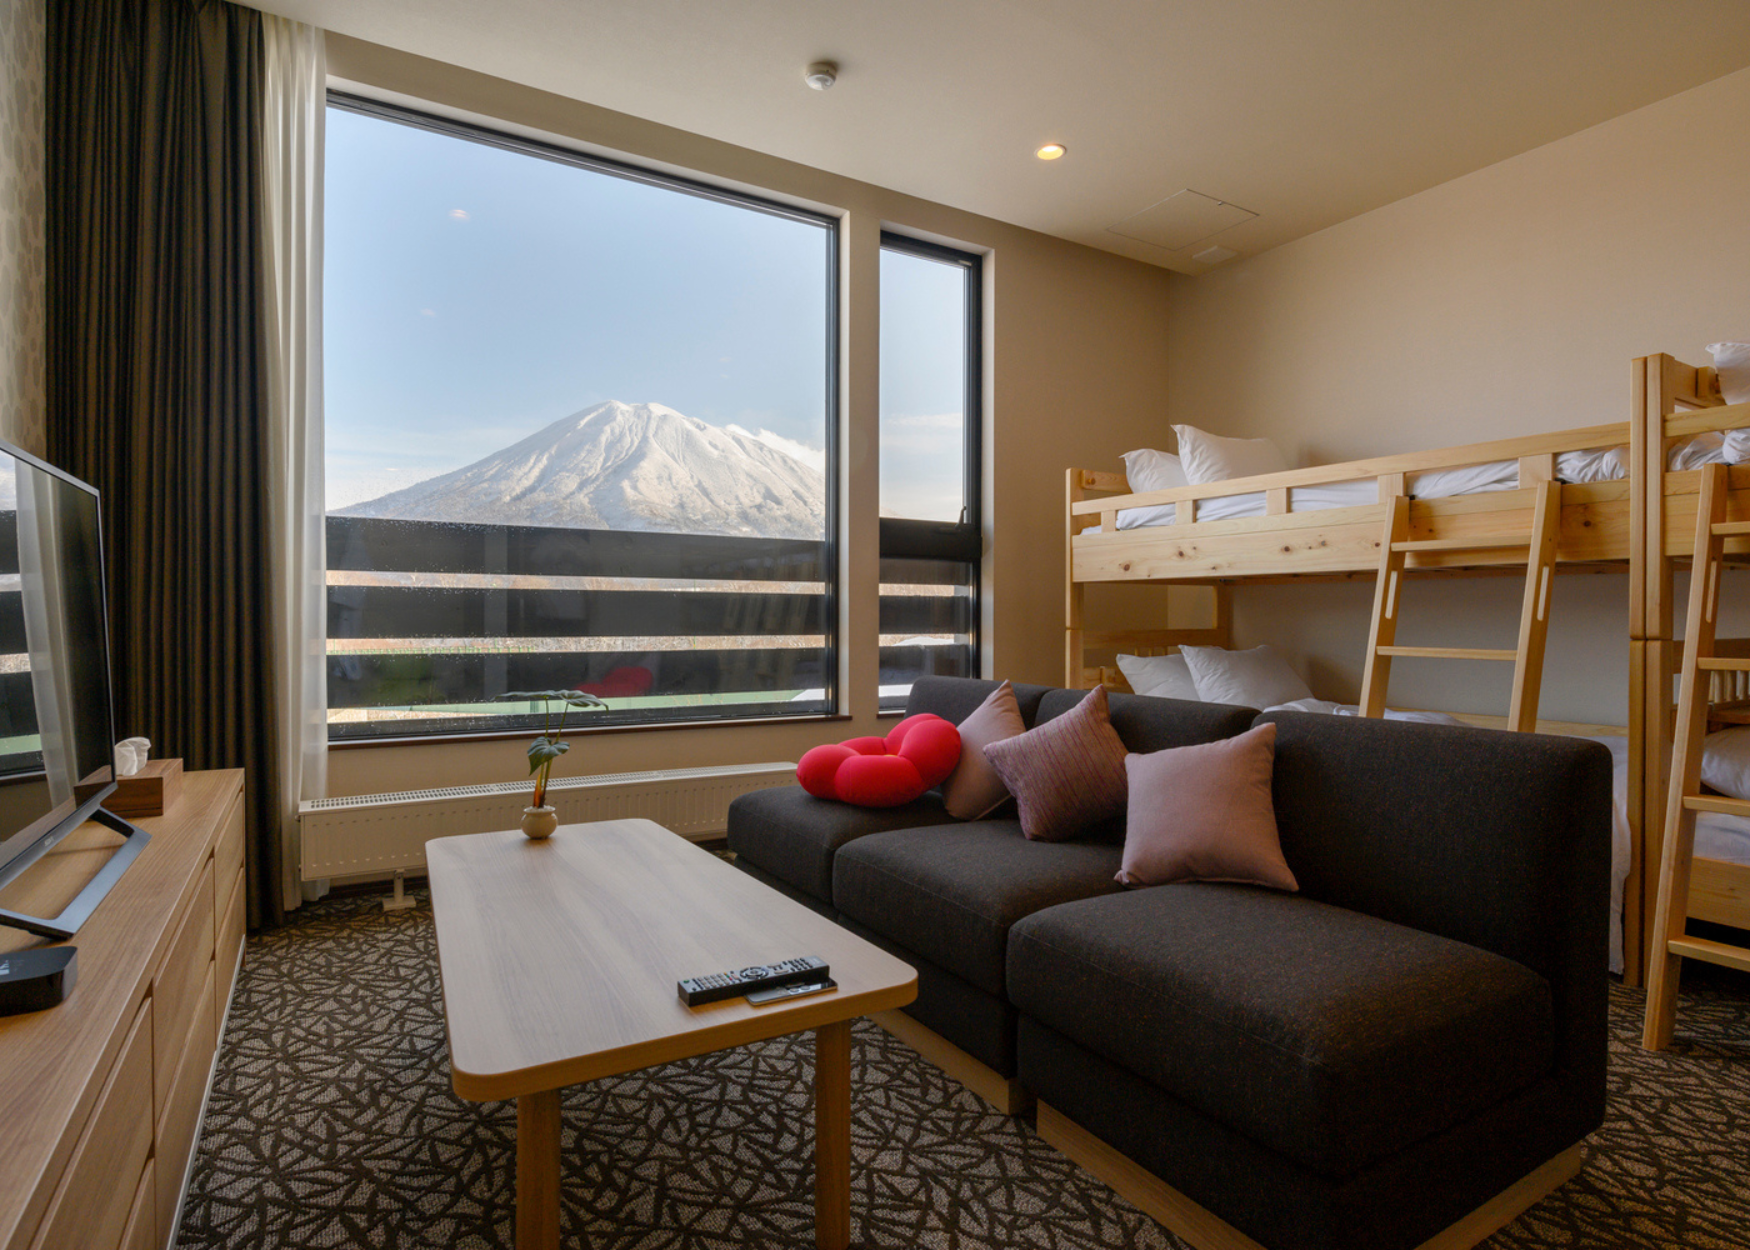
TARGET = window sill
x,y
363,744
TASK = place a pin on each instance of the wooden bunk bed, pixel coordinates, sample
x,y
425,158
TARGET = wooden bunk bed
x,y
1602,526
1679,401
1462,534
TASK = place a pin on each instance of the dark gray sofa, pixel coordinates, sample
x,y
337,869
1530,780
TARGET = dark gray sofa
x,y
1360,1064
941,893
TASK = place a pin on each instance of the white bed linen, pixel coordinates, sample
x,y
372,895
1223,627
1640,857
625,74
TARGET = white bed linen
x,y
1354,709
1617,745
1598,465
1719,836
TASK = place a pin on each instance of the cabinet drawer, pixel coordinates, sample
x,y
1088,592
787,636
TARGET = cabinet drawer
x,y
91,1209
142,1229
177,989
228,854
180,1120
230,944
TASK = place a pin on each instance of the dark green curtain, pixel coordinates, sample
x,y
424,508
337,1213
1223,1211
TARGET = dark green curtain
x,y
158,372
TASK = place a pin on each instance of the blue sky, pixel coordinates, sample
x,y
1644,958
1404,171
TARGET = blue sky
x,y
473,296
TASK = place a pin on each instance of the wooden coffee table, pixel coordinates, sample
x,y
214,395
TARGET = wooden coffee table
x,y
559,961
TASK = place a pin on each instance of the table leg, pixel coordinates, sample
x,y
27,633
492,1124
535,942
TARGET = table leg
x,y
537,1171
832,1136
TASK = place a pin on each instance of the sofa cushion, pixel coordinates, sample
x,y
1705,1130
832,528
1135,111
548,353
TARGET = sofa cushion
x,y
951,894
1332,1037
791,834
1146,723
956,698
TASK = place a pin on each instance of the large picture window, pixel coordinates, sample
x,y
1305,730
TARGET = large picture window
x,y
931,528
579,436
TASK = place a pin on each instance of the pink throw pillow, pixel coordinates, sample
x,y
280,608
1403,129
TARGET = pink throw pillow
x,y
1067,774
973,790
1204,813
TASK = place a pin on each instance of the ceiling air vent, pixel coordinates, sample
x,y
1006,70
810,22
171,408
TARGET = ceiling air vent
x,y
1181,220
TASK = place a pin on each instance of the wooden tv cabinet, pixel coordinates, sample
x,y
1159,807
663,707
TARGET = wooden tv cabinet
x,y
101,1097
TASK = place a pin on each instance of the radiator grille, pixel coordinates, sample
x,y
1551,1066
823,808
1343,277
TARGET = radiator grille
x,y
380,833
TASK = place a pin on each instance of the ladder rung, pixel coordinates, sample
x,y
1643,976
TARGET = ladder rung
x,y
1723,664
1728,528
1716,803
1463,544
1448,653
1712,952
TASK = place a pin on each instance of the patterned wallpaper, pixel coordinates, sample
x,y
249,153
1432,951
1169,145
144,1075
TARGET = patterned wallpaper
x,y
21,224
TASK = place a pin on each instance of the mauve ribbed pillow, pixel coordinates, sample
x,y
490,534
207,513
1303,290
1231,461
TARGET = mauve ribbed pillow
x,y
973,790
1066,774
1204,813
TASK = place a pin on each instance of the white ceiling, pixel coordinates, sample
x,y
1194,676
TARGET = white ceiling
x,y
1305,112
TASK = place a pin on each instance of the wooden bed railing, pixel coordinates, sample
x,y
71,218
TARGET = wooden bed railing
x,y
1536,454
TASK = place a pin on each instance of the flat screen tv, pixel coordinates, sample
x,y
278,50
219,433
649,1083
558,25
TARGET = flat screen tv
x,y
57,729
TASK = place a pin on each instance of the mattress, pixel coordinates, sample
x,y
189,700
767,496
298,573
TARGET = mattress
x,y
1600,465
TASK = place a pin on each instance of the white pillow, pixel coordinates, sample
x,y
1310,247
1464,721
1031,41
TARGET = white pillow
x,y
1255,678
1211,458
1163,676
1148,469
1732,363
1725,762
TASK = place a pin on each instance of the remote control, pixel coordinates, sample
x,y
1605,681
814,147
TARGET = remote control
x,y
802,989
698,990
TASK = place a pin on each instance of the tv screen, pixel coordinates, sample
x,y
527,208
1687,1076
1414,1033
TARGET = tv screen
x,y
56,728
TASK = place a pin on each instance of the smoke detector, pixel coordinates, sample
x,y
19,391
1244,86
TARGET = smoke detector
x,y
821,75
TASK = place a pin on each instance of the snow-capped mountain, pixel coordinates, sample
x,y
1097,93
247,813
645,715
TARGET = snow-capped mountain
x,y
625,467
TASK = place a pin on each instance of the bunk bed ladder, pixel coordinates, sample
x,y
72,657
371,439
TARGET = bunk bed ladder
x,y
1396,547
1671,941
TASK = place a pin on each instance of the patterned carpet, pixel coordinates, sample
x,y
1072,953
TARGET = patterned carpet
x,y
332,1124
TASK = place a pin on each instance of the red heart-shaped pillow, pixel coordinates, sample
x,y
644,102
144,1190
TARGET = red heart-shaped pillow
x,y
919,753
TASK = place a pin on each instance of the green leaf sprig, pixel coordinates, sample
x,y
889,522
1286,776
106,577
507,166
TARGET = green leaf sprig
x,y
550,746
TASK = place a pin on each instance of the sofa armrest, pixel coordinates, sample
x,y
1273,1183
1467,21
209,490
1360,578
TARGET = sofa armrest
x,y
1496,839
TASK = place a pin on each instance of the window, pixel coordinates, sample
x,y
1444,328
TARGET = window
x,y
931,528
579,435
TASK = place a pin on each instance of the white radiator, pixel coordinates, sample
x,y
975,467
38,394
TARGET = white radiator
x,y
382,833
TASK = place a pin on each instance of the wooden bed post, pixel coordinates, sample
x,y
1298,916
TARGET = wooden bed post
x,y
1671,894
1224,615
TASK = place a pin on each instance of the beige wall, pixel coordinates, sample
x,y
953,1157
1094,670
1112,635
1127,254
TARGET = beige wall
x,y
1506,302
1076,343
21,223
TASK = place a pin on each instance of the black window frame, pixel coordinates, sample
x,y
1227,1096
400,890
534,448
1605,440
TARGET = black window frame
x,y
831,541
961,541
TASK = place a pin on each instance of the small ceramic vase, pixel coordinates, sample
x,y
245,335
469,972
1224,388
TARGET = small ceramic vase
x,y
539,822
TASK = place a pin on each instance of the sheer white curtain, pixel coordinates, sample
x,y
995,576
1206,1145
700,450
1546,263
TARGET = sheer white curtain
x,y
294,100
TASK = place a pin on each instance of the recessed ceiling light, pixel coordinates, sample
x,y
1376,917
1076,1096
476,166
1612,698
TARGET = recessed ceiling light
x,y
1051,151
821,75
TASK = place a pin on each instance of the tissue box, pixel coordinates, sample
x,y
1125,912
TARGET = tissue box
x,y
150,792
